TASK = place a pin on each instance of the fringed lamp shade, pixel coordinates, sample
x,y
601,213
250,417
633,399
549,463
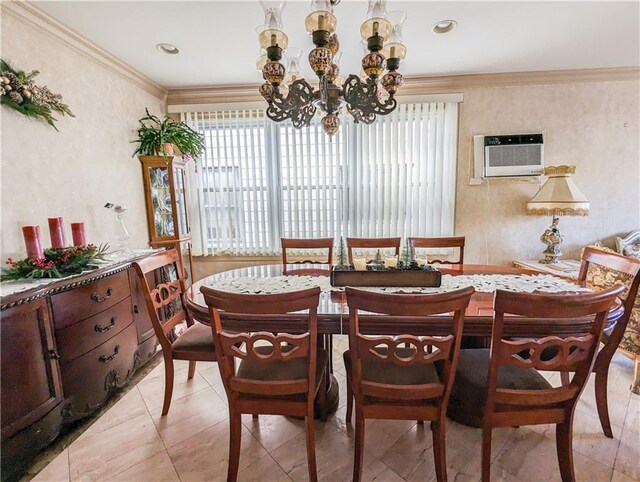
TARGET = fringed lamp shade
x,y
559,196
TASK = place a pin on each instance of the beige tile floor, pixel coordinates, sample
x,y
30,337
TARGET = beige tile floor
x,y
132,442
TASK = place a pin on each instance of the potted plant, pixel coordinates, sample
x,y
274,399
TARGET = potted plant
x,y
159,137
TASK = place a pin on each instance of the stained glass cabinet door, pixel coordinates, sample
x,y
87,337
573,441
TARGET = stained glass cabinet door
x,y
167,206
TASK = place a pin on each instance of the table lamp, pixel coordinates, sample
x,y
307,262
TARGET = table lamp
x,y
558,196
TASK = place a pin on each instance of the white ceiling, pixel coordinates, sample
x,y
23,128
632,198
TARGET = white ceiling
x,y
218,44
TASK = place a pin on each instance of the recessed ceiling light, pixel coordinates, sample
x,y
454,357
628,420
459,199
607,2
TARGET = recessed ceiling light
x,y
444,26
167,48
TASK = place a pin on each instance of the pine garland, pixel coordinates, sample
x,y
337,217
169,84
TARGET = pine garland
x,y
57,263
19,92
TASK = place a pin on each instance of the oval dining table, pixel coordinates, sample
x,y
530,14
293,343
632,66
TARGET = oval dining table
x,y
333,313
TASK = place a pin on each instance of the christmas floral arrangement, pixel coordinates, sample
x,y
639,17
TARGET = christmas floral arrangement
x,y
18,91
57,263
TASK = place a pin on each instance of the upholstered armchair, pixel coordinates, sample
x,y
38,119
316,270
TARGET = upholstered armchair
x,y
630,344
599,276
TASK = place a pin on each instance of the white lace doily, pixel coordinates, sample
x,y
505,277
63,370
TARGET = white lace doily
x,y
487,283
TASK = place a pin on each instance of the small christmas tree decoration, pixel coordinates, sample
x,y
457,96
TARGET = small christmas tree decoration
x,y
341,257
378,264
407,255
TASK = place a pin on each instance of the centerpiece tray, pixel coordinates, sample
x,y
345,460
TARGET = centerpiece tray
x,y
387,278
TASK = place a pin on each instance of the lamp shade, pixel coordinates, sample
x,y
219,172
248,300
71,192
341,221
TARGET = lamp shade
x,y
559,196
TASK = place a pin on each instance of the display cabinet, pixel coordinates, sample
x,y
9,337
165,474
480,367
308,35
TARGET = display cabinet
x,y
165,188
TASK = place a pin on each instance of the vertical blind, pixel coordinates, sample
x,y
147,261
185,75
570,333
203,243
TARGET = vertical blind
x,y
259,181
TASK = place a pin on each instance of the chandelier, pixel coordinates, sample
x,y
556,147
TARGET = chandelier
x,y
290,96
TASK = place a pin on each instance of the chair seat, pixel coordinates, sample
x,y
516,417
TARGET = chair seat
x,y
469,392
198,337
281,370
379,371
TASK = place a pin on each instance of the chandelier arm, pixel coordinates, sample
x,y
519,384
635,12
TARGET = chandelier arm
x,y
362,100
297,105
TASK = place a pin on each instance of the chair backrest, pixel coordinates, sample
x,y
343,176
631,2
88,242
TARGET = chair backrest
x,y
558,353
451,242
444,347
612,269
313,243
164,296
263,346
372,243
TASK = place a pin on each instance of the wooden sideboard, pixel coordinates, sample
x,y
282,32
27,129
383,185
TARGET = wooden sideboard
x,y
66,348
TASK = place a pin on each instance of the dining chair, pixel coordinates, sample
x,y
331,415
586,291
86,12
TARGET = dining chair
x,y
502,386
451,242
372,243
166,306
278,374
600,269
393,376
311,243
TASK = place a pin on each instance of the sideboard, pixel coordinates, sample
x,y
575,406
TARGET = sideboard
x,y
66,348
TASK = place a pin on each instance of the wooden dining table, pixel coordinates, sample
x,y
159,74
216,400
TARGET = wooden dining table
x,y
333,313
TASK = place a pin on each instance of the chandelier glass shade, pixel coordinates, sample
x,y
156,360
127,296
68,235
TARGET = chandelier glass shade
x,y
290,96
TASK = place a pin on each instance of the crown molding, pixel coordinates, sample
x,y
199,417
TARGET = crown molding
x,y
417,85
26,13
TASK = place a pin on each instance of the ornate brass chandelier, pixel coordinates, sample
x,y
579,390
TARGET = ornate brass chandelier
x,y
291,97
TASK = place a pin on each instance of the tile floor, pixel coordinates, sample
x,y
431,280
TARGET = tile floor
x,y
132,442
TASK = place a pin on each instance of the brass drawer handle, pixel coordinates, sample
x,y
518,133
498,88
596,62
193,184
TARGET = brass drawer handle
x,y
103,329
107,359
98,299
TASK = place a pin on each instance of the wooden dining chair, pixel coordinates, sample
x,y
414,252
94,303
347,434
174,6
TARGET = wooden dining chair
x,y
278,374
503,385
166,306
311,243
372,243
394,376
600,269
451,242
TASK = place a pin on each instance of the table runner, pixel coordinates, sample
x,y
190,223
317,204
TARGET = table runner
x,y
486,283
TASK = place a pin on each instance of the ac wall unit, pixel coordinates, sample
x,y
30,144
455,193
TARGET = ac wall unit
x,y
513,155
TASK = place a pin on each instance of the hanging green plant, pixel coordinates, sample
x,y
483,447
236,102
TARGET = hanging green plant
x,y
19,92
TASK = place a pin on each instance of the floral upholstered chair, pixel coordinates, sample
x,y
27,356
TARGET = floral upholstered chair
x,y
603,277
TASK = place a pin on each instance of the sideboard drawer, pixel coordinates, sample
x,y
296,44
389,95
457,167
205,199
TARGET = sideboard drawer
x,y
79,338
89,380
85,301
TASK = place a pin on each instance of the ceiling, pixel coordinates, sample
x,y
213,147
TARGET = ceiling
x,y
218,44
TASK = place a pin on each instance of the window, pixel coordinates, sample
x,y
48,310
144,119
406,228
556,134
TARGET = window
x,y
259,180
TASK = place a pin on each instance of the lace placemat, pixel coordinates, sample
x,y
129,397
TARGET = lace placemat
x,y
487,283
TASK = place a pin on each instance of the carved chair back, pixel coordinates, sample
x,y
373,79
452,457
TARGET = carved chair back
x,y
391,348
165,296
372,243
451,242
264,347
315,243
566,354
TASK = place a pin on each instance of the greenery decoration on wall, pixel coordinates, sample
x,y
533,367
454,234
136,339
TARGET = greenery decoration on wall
x,y
57,263
19,92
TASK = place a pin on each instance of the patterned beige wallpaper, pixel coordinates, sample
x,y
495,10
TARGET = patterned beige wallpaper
x,y
74,172
594,125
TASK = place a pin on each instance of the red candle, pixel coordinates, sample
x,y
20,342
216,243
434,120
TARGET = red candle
x,y
56,231
32,241
77,231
